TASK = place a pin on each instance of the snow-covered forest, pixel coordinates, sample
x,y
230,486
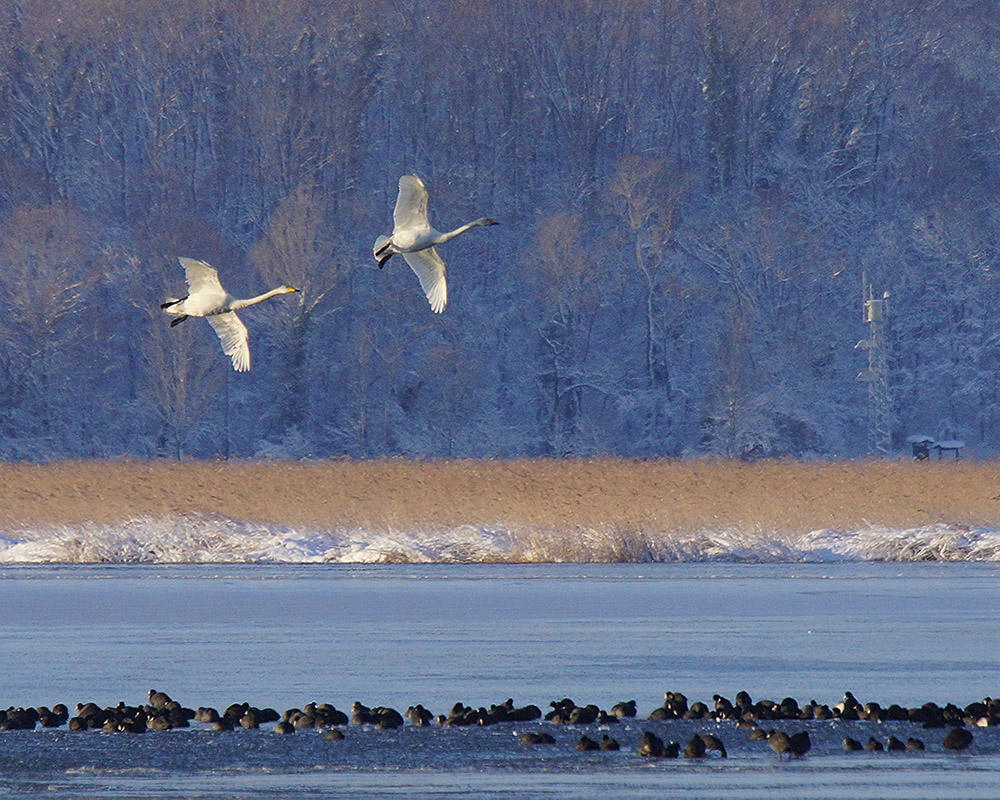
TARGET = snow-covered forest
x,y
689,194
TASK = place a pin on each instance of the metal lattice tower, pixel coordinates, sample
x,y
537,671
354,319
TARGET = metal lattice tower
x,y
876,314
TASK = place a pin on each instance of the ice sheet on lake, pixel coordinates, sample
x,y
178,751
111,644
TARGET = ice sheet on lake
x,y
214,539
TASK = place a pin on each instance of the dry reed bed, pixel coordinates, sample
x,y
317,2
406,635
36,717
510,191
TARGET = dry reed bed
x,y
600,495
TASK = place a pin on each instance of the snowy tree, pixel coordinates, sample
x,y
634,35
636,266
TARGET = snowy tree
x,y
46,280
184,380
689,196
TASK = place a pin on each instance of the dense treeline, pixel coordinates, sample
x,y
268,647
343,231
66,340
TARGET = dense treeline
x,y
689,195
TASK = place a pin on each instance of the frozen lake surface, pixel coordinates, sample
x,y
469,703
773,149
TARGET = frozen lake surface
x,y
397,635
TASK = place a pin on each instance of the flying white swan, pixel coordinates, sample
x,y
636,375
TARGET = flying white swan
x,y
413,236
207,298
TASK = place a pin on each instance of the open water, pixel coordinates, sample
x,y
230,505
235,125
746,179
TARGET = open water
x,y
400,634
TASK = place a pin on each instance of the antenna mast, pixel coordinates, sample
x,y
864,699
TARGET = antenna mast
x,y
876,314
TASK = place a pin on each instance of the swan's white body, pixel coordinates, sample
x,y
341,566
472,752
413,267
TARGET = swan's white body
x,y
206,298
413,237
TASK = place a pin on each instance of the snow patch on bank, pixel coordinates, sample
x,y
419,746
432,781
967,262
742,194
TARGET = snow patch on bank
x,y
199,538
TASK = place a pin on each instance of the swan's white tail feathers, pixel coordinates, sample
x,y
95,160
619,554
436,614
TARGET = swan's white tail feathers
x,y
380,242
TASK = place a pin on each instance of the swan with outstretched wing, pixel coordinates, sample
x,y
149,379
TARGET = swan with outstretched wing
x,y
414,238
206,298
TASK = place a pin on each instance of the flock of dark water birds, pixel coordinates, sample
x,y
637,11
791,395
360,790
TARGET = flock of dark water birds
x,y
750,719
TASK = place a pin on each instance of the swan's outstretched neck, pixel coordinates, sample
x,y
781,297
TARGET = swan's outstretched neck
x,y
476,223
236,305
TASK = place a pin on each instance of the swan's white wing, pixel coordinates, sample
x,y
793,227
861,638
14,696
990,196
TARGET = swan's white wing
x,y
430,269
205,293
201,277
233,335
411,204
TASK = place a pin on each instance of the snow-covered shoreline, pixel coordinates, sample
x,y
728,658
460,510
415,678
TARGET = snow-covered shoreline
x,y
527,510
198,538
